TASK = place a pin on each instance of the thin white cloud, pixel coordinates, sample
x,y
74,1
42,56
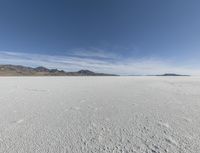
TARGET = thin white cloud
x,y
93,53
76,62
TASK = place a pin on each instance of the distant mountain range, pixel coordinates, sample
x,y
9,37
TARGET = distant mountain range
x,y
18,70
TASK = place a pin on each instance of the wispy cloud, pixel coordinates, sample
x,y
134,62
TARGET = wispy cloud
x,y
101,63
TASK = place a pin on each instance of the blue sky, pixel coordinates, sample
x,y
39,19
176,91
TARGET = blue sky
x,y
114,36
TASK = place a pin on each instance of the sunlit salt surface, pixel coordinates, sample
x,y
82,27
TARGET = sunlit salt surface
x,y
99,114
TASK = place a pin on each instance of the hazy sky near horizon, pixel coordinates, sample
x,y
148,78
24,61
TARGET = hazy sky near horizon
x,y
117,36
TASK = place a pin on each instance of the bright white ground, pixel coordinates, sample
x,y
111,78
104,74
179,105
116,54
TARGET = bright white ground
x,y
99,114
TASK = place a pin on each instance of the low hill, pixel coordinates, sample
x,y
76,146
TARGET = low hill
x,y
172,74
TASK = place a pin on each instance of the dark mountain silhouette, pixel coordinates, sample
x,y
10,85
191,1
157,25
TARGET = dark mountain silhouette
x,y
18,70
171,74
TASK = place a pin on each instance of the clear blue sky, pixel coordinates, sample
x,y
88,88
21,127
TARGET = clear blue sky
x,y
119,36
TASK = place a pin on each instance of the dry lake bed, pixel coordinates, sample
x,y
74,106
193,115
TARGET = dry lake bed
x,y
99,115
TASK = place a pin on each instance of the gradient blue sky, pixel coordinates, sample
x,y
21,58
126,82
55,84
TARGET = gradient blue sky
x,y
115,36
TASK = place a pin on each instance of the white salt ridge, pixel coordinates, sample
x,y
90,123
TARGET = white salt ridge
x,y
20,121
166,125
171,141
